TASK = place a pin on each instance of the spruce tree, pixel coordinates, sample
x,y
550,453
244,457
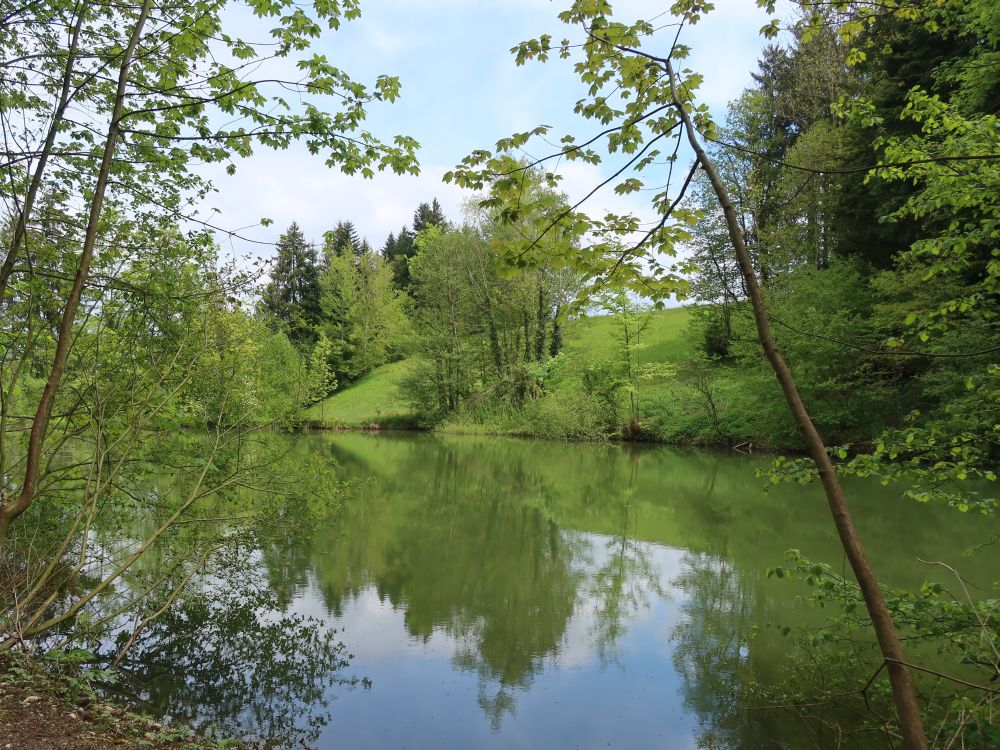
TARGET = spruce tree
x,y
389,248
343,236
292,296
428,215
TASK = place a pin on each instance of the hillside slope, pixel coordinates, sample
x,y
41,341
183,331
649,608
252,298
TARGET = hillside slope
x,y
375,399
372,400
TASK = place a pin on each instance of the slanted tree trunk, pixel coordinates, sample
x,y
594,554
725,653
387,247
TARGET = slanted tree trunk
x,y
904,695
13,508
19,237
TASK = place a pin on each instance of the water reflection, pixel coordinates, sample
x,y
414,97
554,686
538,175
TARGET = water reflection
x,y
712,646
450,545
235,662
518,594
623,587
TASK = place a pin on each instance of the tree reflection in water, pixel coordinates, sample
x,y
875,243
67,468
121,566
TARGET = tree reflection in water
x,y
235,664
626,584
544,583
712,647
495,575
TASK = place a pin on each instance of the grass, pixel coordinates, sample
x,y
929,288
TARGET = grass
x,y
375,399
371,400
665,340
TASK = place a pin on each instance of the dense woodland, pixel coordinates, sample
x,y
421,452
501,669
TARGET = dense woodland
x,y
863,175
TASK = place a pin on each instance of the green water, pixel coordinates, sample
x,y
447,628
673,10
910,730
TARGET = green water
x,y
516,594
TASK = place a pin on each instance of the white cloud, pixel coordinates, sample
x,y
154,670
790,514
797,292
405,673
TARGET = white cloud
x,y
461,91
295,186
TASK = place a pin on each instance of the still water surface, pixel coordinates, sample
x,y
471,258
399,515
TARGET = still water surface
x,y
518,594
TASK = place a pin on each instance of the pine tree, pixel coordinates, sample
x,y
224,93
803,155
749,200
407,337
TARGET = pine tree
x,y
389,248
293,294
428,216
343,236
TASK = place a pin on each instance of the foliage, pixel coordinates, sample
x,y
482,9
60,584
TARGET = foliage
x,y
362,313
958,674
120,328
483,329
321,377
292,297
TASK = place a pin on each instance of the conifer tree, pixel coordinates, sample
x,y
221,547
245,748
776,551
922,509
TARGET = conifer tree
x,y
404,243
293,295
428,215
403,250
342,238
389,248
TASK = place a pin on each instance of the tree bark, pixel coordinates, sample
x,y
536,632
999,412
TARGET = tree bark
x,y
10,510
904,695
541,319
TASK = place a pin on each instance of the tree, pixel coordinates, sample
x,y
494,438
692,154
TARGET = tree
x,y
399,255
716,283
399,249
166,348
443,317
155,102
427,216
362,314
322,380
292,296
658,103
342,239
631,318
389,248
486,334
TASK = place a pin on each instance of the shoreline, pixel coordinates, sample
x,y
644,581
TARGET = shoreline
x,y
47,706
742,448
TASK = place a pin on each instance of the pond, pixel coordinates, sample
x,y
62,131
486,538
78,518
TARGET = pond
x,y
489,593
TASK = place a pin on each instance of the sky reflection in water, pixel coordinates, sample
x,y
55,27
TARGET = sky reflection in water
x,y
519,594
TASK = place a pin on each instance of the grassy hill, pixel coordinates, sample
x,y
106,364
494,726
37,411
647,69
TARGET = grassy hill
x,y
664,340
375,398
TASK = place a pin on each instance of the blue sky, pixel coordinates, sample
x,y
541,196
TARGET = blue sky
x,y
460,91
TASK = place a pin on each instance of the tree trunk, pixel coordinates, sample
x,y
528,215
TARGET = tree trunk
x,y
24,215
9,511
907,708
526,323
541,319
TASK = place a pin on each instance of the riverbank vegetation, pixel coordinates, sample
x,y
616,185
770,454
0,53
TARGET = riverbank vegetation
x,y
904,135
135,380
839,229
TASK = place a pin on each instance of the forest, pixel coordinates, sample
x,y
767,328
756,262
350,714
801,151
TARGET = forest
x,y
819,286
